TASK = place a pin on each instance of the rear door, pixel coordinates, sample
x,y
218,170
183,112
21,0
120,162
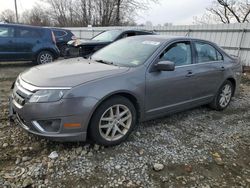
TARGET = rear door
x,y
7,42
208,69
27,40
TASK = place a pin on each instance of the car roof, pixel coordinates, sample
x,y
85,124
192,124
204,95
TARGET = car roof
x,y
23,25
165,38
132,30
60,29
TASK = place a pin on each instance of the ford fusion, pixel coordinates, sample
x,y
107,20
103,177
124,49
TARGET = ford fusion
x,y
132,80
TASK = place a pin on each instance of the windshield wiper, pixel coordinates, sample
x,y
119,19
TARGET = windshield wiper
x,y
104,62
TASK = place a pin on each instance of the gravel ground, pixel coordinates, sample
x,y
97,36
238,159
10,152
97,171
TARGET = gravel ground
x,y
196,148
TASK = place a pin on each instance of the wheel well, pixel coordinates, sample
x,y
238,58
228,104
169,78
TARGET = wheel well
x,y
130,97
233,83
49,50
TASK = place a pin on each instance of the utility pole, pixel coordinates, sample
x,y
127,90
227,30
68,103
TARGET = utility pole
x,y
16,11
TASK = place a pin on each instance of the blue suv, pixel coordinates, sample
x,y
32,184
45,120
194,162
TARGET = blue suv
x,y
27,43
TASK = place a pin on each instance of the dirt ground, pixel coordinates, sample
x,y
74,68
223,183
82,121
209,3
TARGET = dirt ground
x,y
195,148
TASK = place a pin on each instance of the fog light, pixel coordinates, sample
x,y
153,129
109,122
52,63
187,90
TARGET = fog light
x,y
47,125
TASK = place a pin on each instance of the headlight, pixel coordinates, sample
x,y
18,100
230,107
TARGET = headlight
x,y
50,95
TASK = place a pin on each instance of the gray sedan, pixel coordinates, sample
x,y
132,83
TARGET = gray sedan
x,y
132,80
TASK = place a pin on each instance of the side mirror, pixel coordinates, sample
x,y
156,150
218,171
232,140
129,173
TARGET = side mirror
x,y
165,66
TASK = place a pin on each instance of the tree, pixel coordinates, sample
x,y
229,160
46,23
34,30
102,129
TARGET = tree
x,y
226,11
8,16
36,16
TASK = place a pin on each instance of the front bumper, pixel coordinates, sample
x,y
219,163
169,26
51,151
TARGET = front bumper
x,y
66,111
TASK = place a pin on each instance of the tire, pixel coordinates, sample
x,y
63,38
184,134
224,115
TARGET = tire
x,y
106,122
44,57
226,92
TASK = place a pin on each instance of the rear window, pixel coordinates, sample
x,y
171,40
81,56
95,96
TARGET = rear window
x,y
206,53
6,32
28,33
58,33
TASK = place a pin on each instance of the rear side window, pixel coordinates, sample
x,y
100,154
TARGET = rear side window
x,y
59,33
6,32
28,33
128,34
179,53
206,53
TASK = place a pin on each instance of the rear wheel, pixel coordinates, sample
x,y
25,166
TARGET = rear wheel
x,y
223,97
113,121
44,57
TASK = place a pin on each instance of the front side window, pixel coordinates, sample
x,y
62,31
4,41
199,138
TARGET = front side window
x,y
178,53
107,36
59,33
6,32
206,53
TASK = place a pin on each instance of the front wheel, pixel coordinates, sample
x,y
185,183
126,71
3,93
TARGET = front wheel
x,y
44,57
113,121
223,97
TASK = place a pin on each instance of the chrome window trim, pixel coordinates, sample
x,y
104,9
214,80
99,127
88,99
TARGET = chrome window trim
x,y
33,88
210,62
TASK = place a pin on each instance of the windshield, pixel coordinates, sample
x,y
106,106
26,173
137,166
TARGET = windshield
x,y
108,36
129,52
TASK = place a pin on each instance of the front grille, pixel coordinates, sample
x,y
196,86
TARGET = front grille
x,y
21,94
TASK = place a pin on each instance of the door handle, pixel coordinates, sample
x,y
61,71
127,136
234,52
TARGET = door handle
x,y
189,74
222,68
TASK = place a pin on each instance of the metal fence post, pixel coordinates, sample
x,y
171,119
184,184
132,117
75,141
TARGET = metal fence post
x,y
241,40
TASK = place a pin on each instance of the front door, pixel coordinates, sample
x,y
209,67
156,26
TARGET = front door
x,y
7,43
169,90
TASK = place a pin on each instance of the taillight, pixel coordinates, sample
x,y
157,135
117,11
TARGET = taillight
x,y
53,37
73,37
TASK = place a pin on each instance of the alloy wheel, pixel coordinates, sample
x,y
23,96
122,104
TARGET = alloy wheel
x,y
115,122
225,96
46,58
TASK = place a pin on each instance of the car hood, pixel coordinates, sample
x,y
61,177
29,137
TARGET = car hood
x,y
87,43
69,73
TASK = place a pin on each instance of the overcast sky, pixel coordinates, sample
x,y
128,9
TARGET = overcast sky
x,y
167,11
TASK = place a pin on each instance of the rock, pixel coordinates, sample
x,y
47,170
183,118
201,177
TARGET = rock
x,y
217,158
192,178
141,151
158,167
24,159
218,161
53,155
84,152
90,154
5,145
78,150
188,168
117,167
18,160
138,133
248,180
27,182
96,147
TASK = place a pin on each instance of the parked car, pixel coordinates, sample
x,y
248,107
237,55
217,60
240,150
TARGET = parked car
x,y
27,43
85,48
134,79
63,36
